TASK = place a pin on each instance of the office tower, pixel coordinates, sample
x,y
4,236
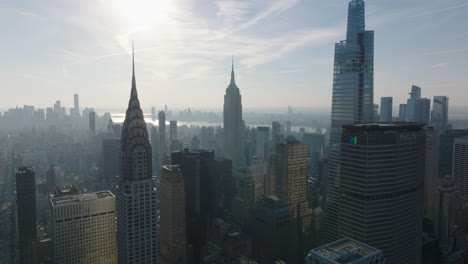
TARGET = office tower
x,y
83,226
449,205
381,187
92,124
137,217
245,199
58,107
315,144
76,105
352,100
431,177
26,215
208,192
276,135
51,178
262,156
402,113
446,150
291,179
162,138
274,233
439,117
155,148
345,251
172,216
110,155
386,109
417,109
172,130
232,124
460,165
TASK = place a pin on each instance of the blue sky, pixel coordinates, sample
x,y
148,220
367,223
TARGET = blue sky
x,y
283,50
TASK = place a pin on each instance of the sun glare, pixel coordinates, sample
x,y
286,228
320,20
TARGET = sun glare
x,y
141,14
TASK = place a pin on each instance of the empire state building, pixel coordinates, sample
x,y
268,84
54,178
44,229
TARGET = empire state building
x,y
136,195
233,123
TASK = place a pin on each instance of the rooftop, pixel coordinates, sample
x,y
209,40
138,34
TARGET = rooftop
x,y
78,198
345,250
385,126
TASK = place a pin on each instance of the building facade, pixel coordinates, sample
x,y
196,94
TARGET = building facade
x,y
137,212
26,215
233,124
172,212
439,117
382,187
460,165
352,99
386,109
83,226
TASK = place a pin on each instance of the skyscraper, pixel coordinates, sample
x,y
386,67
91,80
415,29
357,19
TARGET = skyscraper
x,y
208,193
417,109
386,109
446,150
51,178
460,165
448,206
162,138
172,212
381,188
83,226
110,155
439,117
76,104
172,130
26,215
233,124
92,124
136,195
263,153
431,177
155,148
402,113
352,100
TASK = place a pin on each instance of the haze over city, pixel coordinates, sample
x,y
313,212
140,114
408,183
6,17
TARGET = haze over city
x,y
283,50
234,132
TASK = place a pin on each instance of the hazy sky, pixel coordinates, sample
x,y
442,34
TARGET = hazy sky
x,y
283,50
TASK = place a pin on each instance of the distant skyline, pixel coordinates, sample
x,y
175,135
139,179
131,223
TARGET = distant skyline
x,y
283,51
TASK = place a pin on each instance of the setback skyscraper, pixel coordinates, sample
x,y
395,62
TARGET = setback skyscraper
x,y
233,124
352,100
381,188
439,117
137,217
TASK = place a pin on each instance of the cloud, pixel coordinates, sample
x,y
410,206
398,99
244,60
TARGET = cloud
x,y
449,8
440,65
275,8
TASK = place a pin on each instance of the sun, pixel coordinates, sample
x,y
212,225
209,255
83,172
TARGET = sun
x,y
142,14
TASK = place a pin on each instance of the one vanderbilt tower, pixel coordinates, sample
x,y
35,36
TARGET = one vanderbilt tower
x,y
136,196
352,100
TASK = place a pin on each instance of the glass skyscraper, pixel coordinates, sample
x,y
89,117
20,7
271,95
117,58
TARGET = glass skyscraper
x,y
352,100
